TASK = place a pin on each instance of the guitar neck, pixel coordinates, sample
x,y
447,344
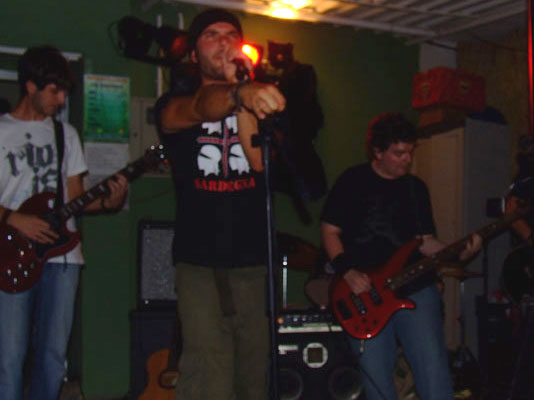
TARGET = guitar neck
x,y
449,253
76,206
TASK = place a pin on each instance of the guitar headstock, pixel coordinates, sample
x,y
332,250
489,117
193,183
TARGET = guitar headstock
x,y
154,156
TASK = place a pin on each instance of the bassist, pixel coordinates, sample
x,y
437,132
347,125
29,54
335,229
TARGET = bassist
x,y
372,210
29,164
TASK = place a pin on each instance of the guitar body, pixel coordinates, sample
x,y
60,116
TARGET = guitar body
x,y
364,316
23,259
160,383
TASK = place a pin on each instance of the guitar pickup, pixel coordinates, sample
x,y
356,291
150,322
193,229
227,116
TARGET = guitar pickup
x,y
358,303
375,296
343,309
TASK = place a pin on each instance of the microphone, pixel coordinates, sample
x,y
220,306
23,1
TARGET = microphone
x,y
241,73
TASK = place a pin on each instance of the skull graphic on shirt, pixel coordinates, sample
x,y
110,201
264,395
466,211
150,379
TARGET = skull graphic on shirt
x,y
221,149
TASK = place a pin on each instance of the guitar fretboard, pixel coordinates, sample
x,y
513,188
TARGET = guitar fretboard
x,y
132,171
449,253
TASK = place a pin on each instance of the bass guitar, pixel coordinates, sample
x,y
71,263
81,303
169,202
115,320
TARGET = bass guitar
x,y
363,316
23,259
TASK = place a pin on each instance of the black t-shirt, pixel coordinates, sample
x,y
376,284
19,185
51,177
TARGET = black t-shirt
x,y
377,215
523,188
220,211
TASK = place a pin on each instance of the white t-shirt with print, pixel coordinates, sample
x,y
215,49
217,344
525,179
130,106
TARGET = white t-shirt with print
x,y
28,165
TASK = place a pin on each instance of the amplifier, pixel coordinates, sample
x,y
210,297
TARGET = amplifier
x,y
156,273
314,359
305,321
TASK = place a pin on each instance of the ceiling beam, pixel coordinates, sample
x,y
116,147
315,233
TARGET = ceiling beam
x,y
412,10
303,15
383,17
493,17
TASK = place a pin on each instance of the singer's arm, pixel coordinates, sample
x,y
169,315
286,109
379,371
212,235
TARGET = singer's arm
x,y
210,103
215,101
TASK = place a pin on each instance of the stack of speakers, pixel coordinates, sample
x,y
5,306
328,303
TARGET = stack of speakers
x,y
154,323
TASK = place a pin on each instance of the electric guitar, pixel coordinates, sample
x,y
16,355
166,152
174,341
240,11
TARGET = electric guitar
x,y
363,316
23,259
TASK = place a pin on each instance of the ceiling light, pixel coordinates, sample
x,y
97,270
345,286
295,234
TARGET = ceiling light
x,y
295,4
278,10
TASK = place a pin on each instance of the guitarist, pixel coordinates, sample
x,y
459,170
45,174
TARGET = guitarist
x,y
371,211
523,189
28,166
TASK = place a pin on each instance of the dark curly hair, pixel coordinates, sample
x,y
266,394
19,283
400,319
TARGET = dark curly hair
x,y
43,65
387,129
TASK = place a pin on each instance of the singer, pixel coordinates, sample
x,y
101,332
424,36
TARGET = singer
x,y
219,247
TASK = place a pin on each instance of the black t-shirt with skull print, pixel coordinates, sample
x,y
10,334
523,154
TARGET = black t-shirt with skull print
x,y
220,210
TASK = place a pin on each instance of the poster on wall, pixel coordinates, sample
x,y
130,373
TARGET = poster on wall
x,y
106,108
104,160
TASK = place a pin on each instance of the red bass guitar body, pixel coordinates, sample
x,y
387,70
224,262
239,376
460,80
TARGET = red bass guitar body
x,y
23,259
363,316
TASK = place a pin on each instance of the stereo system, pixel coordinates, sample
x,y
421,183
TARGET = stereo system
x,y
315,361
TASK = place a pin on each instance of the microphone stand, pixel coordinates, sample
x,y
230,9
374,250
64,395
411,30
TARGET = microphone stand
x,y
264,139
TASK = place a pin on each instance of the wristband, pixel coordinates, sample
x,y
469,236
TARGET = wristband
x,y
5,216
340,264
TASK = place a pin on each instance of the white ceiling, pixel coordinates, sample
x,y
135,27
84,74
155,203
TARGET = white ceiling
x,y
415,20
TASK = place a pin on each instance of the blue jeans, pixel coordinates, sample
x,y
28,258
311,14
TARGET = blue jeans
x,y
43,313
420,333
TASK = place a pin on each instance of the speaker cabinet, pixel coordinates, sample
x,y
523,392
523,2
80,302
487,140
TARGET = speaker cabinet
x,y
150,331
317,366
156,270
506,349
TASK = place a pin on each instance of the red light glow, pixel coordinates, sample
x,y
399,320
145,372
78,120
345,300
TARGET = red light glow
x,y
251,52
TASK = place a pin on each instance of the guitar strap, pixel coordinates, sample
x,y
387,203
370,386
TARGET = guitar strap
x,y
60,146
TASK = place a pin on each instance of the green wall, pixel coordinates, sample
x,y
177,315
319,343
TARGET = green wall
x,y
360,74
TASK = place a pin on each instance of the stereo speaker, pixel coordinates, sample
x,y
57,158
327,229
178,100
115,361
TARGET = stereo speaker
x,y
156,270
317,366
150,331
506,349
